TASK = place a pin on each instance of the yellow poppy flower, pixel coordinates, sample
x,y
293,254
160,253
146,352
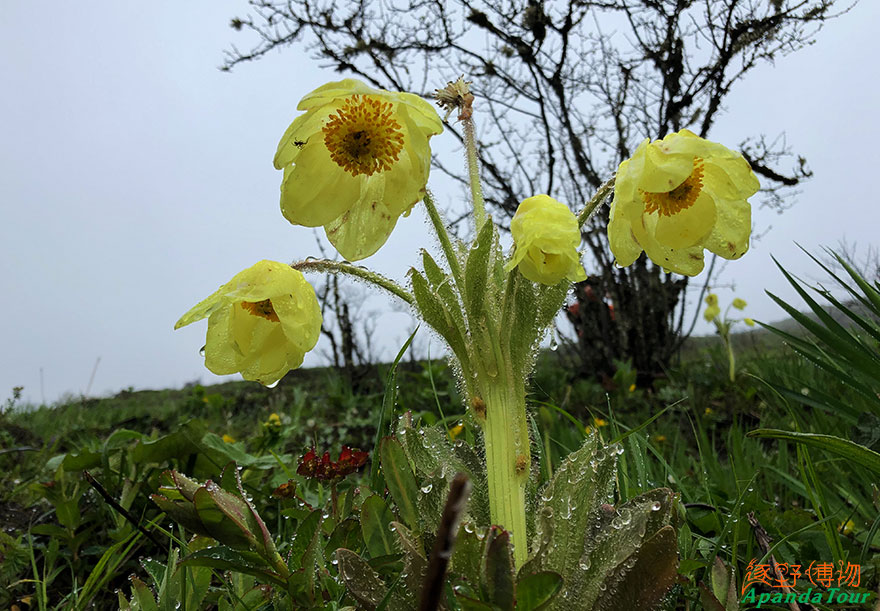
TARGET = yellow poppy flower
x,y
676,196
354,162
739,304
261,323
711,312
546,236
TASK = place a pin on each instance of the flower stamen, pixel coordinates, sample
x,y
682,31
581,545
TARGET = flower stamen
x,y
680,198
263,309
362,136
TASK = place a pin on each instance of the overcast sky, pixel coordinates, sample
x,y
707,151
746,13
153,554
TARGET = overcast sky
x,y
135,178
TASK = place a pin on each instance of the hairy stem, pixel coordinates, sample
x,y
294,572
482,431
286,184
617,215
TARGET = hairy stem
x,y
337,267
595,202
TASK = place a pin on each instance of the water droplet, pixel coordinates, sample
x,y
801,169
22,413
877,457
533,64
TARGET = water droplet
x,y
427,489
202,351
273,384
656,506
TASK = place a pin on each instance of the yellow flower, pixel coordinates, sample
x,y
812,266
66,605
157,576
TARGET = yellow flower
x,y
274,419
456,431
711,299
354,162
739,304
632,387
676,196
599,422
546,236
261,323
711,312
707,411
660,438
749,322
228,438
846,528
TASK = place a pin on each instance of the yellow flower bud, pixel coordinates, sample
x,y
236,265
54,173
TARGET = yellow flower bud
x,y
228,438
261,323
749,322
711,299
676,196
546,236
355,162
739,304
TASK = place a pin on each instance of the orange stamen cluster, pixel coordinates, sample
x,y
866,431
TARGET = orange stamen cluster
x,y
263,309
680,198
363,137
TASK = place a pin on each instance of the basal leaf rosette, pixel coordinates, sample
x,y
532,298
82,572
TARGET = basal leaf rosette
x,y
546,236
677,196
355,162
261,323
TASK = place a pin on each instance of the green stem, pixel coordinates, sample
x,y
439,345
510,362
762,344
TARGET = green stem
x,y
595,202
507,460
731,359
445,240
473,163
337,267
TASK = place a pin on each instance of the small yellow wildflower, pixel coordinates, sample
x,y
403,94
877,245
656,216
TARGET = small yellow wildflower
x,y
228,438
274,419
355,162
261,323
846,528
632,387
546,237
711,312
660,438
599,422
708,411
711,299
739,304
749,322
456,431
676,196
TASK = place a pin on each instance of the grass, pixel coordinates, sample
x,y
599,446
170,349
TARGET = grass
x,y
64,546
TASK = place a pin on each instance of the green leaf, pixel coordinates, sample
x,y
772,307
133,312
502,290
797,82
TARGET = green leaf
x,y
362,582
535,591
227,559
304,541
375,523
233,452
179,444
724,585
142,596
434,312
400,481
467,555
387,413
643,585
842,447
498,572
476,273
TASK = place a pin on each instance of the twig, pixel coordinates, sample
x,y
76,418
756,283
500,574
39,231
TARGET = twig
x,y
459,490
122,510
763,540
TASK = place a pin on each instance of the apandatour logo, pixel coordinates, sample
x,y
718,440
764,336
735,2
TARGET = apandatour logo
x,y
829,586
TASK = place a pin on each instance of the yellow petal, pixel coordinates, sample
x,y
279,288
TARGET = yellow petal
x,y
315,190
